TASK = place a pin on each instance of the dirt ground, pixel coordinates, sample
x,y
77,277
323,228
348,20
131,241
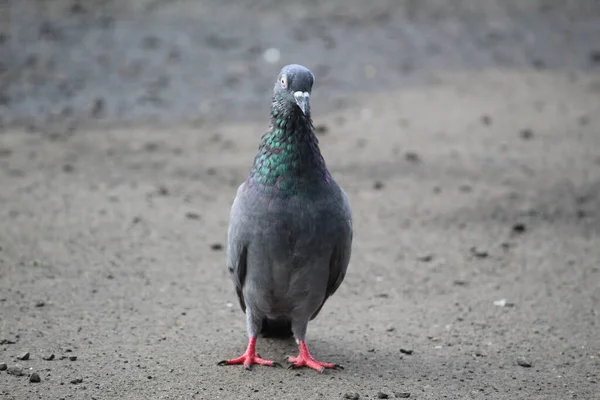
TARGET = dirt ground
x,y
466,136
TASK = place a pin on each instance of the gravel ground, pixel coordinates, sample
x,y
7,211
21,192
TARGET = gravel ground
x,y
466,136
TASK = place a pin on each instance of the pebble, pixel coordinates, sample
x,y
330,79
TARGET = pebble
x,y
523,362
381,395
519,228
321,129
352,396
3,367
73,358
402,395
412,157
216,246
24,356
526,134
35,378
479,253
378,185
192,215
406,351
48,358
76,381
15,370
425,258
486,120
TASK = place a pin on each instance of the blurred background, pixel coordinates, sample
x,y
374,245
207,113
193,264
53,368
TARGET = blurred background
x,y
135,61
466,134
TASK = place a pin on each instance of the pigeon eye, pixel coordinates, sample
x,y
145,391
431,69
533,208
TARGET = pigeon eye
x,y
283,81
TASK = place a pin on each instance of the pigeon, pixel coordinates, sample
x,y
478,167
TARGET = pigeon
x,y
290,228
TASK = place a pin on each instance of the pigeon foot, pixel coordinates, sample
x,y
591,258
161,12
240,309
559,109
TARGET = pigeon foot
x,y
304,359
249,358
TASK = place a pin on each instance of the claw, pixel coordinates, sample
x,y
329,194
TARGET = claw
x,y
276,365
304,359
249,358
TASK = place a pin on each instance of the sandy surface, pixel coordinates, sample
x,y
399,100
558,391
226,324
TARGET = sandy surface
x,y
466,137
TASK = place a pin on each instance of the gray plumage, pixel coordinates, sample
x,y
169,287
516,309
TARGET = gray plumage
x,y
287,255
290,229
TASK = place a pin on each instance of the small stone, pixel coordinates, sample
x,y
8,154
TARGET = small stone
x,y
40,304
412,157
486,120
381,395
15,370
24,356
192,215
479,253
500,303
35,378
352,396
321,129
523,362
72,358
406,351
402,395
216,247
3,367
519,228
76,381
48,358
378,185
425,258
526,134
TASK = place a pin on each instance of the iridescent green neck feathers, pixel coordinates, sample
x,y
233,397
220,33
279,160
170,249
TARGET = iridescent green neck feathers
x,y
289,159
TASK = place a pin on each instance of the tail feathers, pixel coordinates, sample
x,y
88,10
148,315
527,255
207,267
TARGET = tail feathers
x,y
278,328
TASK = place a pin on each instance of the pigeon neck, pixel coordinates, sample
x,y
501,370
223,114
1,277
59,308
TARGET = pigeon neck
x,y
289,158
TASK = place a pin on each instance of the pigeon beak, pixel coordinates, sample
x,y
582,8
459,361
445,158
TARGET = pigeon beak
x,y
302,100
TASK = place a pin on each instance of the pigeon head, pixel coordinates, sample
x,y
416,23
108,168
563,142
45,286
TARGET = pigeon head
x,y
293,87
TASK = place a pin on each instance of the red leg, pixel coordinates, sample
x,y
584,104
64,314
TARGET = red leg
x,y
304,359
250,357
